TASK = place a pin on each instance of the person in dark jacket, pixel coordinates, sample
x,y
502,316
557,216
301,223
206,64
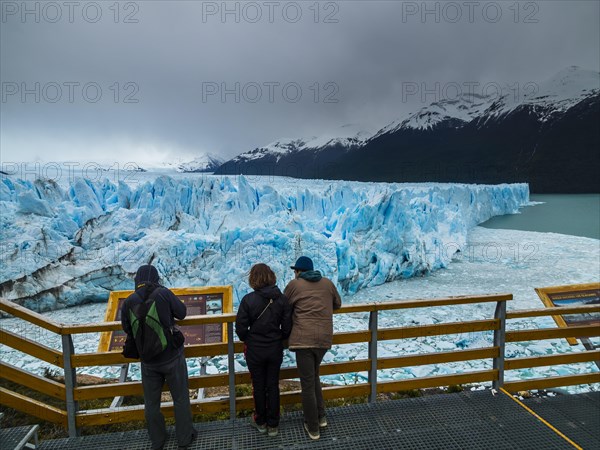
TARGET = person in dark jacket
x,y
169,366
263,322
313,299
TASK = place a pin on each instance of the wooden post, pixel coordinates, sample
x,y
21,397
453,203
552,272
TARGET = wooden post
x,y
70,383
373,356
500,342
231,370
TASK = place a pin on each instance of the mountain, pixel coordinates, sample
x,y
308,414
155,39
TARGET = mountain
x,y
204,163
547,135
299,157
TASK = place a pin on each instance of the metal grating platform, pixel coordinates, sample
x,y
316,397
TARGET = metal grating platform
x,y
18,437
469,420
577,416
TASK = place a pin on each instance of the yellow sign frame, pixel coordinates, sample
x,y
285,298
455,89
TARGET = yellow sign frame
x,y
545,293
114,297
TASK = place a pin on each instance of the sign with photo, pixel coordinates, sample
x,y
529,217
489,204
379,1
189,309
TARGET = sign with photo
x,y
198,300
573,295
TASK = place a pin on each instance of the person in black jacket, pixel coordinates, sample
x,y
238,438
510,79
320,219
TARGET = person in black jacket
x,y
169,366
263,322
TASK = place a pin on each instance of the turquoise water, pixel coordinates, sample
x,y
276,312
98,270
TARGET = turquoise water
x,y
573,214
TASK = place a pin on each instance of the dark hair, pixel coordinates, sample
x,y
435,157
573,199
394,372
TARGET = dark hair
x,y
260,276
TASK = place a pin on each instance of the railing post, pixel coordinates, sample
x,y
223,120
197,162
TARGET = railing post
x,y
231,370
118,401
589,346
500,342
70,383
373,356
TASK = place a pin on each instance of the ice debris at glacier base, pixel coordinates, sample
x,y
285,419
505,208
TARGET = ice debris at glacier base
x,y
63,246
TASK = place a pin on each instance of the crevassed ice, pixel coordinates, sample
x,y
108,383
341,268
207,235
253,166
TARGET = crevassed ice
x,y
68,245
493,261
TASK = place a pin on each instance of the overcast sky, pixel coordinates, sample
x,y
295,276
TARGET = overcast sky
x,y
143,81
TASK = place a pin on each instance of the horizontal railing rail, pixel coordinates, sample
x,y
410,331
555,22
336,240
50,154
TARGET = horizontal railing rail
x,y
30,316
551,360
32,348
552,382
32,381
556,311
585,331
33,407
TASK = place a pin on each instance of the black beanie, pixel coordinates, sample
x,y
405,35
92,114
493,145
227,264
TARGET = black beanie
x,y
146,274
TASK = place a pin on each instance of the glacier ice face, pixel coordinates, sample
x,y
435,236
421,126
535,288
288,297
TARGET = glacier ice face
x,y
72,245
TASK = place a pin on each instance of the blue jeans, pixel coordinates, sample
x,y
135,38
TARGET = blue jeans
x,y
308,361
175,374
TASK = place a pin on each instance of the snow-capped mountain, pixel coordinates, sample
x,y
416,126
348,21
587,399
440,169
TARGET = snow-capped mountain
x,y
464,109
557,94
292,153
204,163
349,136
543,133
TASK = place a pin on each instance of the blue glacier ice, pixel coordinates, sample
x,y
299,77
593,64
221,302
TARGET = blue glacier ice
x,y
69,245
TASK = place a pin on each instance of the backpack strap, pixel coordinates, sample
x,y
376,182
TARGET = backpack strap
x,y
152,295
146,302
263,311
172,333
150,299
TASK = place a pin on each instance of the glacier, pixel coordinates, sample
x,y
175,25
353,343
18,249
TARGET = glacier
x,y
71,243
495,260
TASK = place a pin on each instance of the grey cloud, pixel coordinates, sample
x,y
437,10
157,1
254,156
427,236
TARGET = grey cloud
x,y
171,53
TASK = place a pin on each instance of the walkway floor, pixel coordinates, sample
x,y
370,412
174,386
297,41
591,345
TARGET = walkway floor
x,y
468,420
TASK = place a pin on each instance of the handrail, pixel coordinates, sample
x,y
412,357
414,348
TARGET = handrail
x,y
61,328
557,310
437,380
581,331
437,357
30,316
544,383
444,301
371,336
135,387
33,407
116,325
69,360
32,348
551,360
437,329
35,382
552,333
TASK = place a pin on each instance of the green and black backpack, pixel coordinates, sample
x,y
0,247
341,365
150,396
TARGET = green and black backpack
x,y
148,331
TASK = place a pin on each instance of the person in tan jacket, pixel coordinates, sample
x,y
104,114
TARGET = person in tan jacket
x,y
313,299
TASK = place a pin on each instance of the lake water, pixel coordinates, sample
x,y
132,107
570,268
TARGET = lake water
x,y
573,214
